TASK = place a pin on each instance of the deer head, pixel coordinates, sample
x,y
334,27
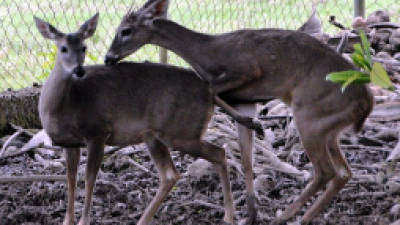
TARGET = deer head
x,y
70,47
136,30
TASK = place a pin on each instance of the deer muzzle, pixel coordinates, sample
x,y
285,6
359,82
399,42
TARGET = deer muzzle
x,y
79,71
110,59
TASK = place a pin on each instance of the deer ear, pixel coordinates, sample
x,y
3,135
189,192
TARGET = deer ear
x,y
312,25
89,27
155,9
47,30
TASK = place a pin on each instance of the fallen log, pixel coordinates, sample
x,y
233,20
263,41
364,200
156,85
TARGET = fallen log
x,y
3,121
20,108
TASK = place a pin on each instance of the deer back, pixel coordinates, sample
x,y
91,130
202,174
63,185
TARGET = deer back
x,y
128,100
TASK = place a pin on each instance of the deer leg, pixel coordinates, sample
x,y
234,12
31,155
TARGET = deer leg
x,y
244,120
168,177
215,155
315,145
226,83
341,177
95,150
246,148
72,156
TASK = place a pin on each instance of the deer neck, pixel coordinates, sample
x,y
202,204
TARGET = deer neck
x,y
55,90
191,46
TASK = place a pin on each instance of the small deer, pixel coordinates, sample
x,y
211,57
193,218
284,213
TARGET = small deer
x,y
254,65
121,105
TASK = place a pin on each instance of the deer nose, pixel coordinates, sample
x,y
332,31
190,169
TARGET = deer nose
x,y
79,71
110,59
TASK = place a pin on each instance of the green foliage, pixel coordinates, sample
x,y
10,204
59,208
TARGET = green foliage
x,y
49,61
369,72
92,57
380,78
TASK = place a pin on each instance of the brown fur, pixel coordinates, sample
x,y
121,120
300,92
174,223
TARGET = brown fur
x,y
129,103
255,65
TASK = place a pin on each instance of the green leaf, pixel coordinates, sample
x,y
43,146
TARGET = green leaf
x,y
349,81
348,77
358,49
362,78
92,57
366,46
380,78
340,77
360,61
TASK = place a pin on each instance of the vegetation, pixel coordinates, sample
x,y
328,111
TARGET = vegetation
x,y
369,72
25,57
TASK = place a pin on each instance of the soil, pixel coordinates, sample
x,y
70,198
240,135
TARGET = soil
x,y
123,190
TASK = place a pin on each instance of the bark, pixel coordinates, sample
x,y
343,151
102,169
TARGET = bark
x,y
20,108
3,123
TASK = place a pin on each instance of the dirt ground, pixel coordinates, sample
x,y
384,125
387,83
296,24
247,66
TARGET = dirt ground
x,y
123,189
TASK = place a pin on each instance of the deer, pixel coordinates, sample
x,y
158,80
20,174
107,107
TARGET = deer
x,y
122,105
255,65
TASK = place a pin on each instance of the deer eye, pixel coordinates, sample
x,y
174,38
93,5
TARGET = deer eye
x,y
126,32
84,49
64,49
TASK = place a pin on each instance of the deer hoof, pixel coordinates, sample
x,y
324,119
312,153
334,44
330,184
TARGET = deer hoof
x,y
251,201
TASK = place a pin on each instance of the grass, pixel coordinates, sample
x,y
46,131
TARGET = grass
x,y
24,54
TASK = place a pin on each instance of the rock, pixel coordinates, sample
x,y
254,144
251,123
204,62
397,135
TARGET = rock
x,y
122,163
395,210
387,135
264,183
396,33
272,104
200,168
397,56
280,109
395,153
394,40
359,23
292,130
379,38
392,187
118,209
269,137
383,55
378,16
387,48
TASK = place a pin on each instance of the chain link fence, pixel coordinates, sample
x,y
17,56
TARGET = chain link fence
x,y
26,57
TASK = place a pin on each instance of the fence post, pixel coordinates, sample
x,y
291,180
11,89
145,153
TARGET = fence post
x,y
359,8
163,55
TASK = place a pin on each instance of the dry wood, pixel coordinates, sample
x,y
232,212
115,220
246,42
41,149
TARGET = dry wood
x,y
7,143
203,204
48,163
32,178
136,164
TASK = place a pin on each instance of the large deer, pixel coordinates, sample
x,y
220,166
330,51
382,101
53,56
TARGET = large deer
x,y
253,66
123,105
